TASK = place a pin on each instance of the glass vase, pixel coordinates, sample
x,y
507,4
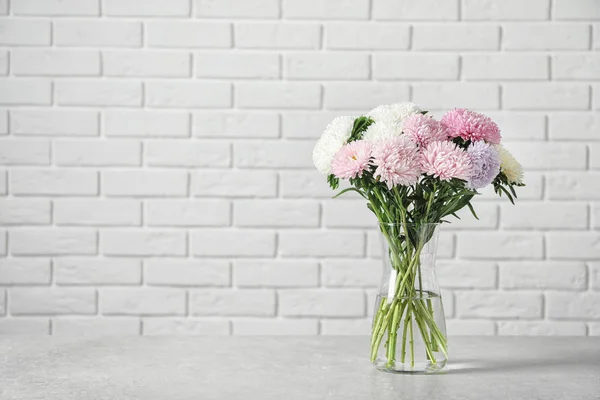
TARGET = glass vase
x,y
409,326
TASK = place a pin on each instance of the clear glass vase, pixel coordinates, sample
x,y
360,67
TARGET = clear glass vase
x,y
409,326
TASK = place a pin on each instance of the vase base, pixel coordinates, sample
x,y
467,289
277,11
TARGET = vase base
x,y
407,368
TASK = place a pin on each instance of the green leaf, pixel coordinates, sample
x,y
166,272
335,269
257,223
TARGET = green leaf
x,y
360,125
350,190
472,210
334,182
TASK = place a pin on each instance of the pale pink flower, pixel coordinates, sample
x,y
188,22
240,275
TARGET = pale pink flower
x,y
471,125
445,160
351,160
423,130
397,161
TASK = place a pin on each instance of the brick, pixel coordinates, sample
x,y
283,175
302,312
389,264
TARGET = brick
x,y
53,242
24,326
188,34
303,184
576,66
275,273
146,8
363,95
535,216
3,303
573,305
98,93
456,37
507,10
98,33
466,274
596,36
188,95
25,91
24,271
573,185
316,9
415,66
24,152
235,183
232,243
345,66
191,213
187,272
237,9
351,273
500,245
467,95
175,153
278,95
339,213
146,123
594,275
595,215
486,304
543,275
142,301
97,271
594,328
346,327
274,327
56,7
548,156
275,213
54,182
4,62
304,125
575,10
97,212
184,326
144,243
147,64
321,244
273,154
596,97
505,66
410,10
237,65
54,122
109,153
52,301
573,245
367,36
545,96
235,124
55,63
520,126
555,36
3,122
3,7
24,212
470,327
87,327
3,182
145,183
321,303
232,302
24,32
267,35
541,328
594,152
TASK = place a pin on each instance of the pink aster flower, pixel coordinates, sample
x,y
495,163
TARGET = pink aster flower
x,y
423,130
351,160
397,161
445,160
471,125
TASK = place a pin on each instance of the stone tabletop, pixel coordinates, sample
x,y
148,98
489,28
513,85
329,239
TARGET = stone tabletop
x,y
306,368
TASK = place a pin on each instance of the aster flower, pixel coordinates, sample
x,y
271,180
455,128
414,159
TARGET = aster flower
x,y
423,130
445,160
471,125
395,113
334,137
485,163
351,160
397,161
510,166
382,129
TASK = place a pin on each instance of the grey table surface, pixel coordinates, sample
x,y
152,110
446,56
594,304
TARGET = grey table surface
x,y
304,368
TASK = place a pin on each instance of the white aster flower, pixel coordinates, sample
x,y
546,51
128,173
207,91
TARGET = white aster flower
x,y
333,138
509,165
382,129
394,112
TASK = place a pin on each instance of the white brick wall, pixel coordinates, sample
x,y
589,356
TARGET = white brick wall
x,y
156,177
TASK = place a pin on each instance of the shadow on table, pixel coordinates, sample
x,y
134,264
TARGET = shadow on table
x,y
467,366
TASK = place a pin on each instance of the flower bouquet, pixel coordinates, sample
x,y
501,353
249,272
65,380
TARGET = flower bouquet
x,y
414,172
